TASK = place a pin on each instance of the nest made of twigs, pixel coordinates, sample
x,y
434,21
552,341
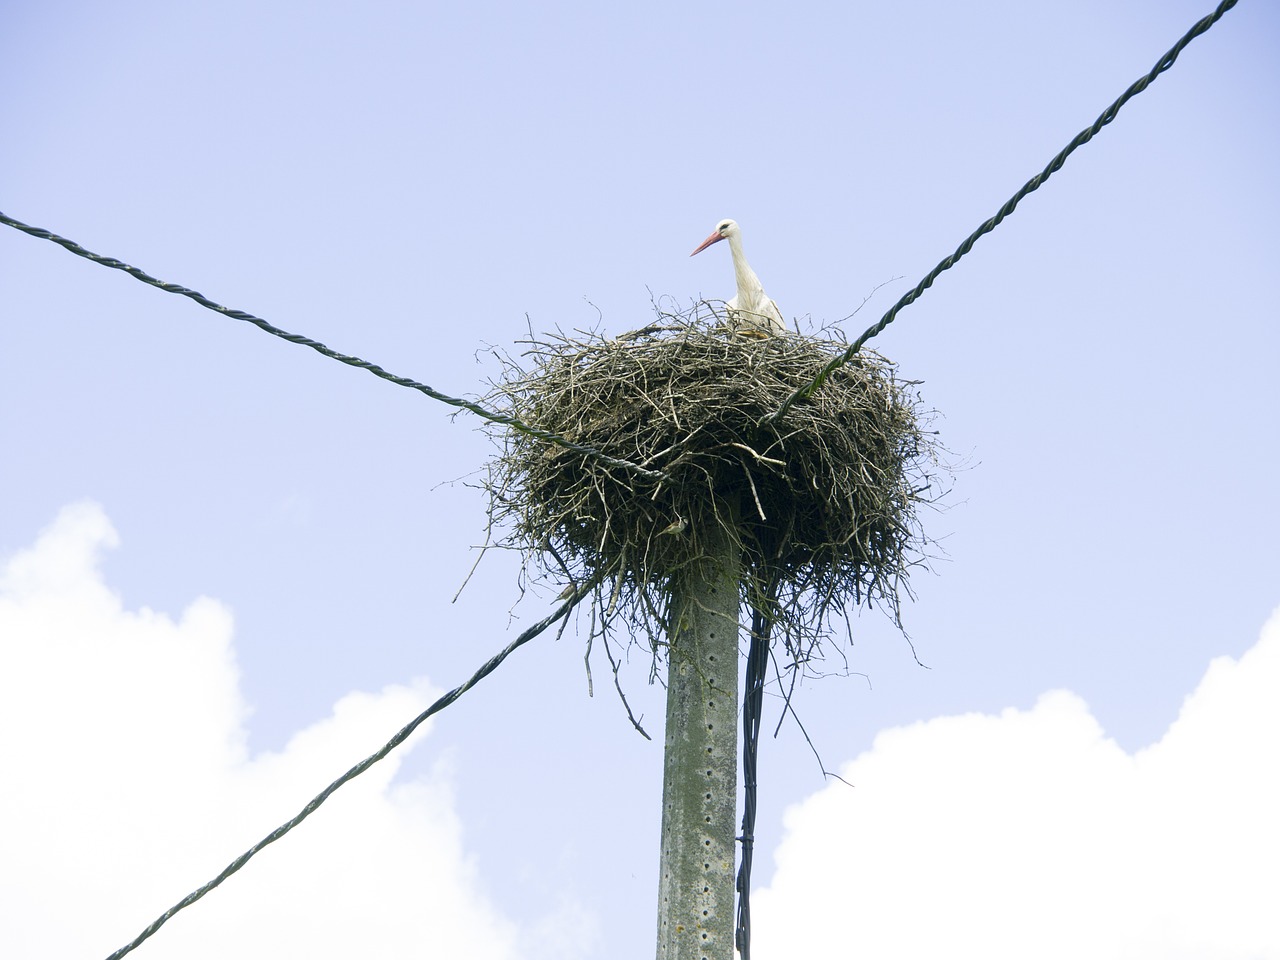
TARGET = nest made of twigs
x,y
825,500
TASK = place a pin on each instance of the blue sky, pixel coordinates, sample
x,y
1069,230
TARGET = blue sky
x,y
412,183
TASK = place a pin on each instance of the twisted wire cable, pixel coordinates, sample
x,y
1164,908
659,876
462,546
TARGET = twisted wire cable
x,y
491,415
1081,138
401,735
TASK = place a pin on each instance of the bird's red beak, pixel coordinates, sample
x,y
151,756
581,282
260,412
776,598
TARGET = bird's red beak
x,y
714,238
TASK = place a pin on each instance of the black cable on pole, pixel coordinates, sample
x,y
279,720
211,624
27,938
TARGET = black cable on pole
x,y
490,415
1081,138
489,666
752,707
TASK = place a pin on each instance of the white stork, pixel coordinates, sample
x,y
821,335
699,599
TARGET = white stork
x,y
751,312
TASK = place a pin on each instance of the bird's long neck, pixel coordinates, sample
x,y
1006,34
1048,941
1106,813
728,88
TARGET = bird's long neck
x,y
749,286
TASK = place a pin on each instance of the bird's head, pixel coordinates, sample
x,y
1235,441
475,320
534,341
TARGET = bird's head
x,y
724,229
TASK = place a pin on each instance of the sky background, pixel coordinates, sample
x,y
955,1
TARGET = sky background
x,y
228,565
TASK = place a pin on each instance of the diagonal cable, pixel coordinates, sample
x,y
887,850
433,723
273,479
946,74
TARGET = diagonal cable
x,y
762,617
401,735
491,415
1081,138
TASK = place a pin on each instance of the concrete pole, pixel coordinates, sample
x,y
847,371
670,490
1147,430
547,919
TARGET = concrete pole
x,y
700,775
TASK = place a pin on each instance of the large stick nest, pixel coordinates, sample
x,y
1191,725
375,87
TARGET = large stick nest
x,y
825,500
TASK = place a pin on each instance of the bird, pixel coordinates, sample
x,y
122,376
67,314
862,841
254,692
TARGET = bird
x,y
751,312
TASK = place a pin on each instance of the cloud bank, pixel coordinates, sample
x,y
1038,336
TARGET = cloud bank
x,y
1031,834
128,784
1028,834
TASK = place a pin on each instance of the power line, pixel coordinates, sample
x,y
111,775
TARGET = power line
x,y
489,666
1081,138
491,415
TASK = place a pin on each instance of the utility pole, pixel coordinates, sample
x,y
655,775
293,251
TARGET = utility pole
x,y
700,772
739,505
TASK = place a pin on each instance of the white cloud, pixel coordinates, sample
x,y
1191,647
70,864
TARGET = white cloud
x,y
1031,834
127,784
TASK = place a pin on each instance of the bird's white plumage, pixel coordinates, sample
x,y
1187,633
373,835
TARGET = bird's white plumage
x,y
750,311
